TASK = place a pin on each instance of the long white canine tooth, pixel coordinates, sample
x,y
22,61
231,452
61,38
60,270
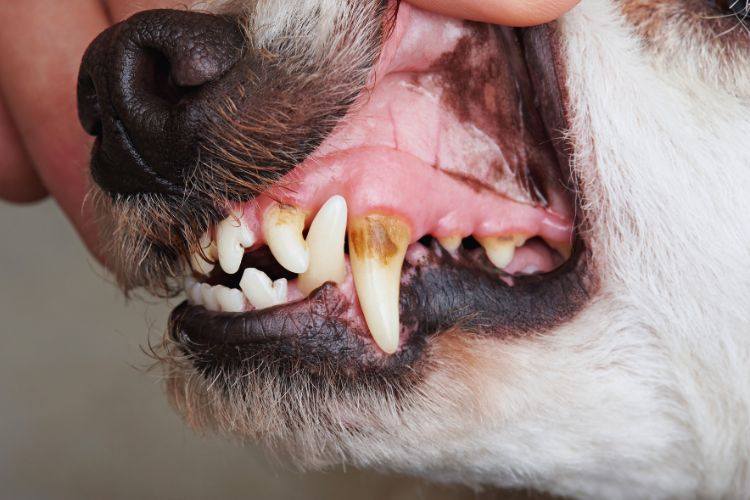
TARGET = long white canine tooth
x,y
260,291
230,300
232,238
377,247
198,262
501,249
325,240
450,243
208,297
282,229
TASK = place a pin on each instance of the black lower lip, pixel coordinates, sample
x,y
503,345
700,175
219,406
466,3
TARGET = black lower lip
x,y
442,292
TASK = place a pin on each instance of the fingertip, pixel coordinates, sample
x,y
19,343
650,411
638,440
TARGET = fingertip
x,y
505,12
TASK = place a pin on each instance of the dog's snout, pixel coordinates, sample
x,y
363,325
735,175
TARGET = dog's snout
x,y
146,90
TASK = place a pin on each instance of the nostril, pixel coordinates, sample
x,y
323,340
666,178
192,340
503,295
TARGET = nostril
x,y
162,84
89,111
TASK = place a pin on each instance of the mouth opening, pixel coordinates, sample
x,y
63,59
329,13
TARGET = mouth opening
x,y
443,201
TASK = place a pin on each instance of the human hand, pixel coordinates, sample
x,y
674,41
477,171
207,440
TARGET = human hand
x,y
45,151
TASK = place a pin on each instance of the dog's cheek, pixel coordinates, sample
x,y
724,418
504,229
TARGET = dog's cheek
x,y
695,40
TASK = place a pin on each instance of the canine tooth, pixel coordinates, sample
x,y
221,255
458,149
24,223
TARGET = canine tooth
x,y
377,247
450,243
209,297
282,229
230,299
198,262
501,249
260,291
325,240
232,238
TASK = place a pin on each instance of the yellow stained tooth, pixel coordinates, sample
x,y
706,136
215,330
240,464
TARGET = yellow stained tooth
x,y
501,249
450,243
282,228
377,248
326,239
564,249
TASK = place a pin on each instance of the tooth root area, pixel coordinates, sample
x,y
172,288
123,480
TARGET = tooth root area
x,y
232,238
260,291
282,229
325,240
377,247
204,263
501,249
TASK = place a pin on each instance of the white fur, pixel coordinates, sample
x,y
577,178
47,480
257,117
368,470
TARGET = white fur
x,y
646,394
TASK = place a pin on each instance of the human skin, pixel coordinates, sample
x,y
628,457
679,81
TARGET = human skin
x,y
43,150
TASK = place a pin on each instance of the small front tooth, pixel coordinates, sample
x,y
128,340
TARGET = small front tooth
x,y
501,249
450,243
377,247
260,291
232,238
326,239
195,295
198,262
208,295
190,284
230,300
282,229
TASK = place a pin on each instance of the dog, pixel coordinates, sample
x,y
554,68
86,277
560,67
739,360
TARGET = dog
x,y
493,256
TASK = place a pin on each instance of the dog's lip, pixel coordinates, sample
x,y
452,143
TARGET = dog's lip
x,y
315,331
320,331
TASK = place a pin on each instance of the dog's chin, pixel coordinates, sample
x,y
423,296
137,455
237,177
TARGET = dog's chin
x,y
464,230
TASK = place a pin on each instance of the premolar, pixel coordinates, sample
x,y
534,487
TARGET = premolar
x,y
282,229
232,238
501,249
450,243
325,240
377,247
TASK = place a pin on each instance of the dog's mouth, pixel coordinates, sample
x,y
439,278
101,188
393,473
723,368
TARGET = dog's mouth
x,y
443,201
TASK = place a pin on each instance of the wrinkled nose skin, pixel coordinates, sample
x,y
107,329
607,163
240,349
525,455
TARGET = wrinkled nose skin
x,y
145,91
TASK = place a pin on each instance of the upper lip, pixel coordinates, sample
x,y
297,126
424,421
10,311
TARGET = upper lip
x,y
443,291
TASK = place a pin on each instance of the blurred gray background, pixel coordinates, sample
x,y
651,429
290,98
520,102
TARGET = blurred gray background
x,y
80,416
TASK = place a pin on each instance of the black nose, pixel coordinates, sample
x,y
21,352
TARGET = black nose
x,y
146,89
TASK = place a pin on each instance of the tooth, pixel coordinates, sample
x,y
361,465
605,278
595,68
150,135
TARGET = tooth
x,y
377,247
450,243
260,291
564,249
198,262
501,249
191,285
230,299
326,243
209,297
232,238
282,229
